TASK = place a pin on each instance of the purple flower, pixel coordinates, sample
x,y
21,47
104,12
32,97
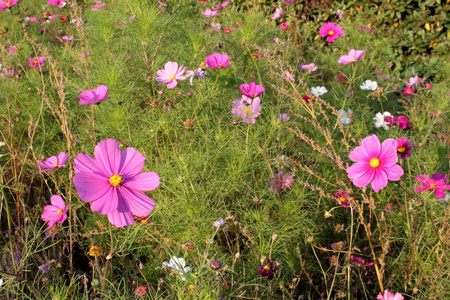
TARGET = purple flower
x,y
171,74
217,61
251,90
67,38
113,183
309,67
94,96
403,122
55,213
283,118
359,261
218,223
281,181
199,73
247,109
44,268
267,270
53,162
404,147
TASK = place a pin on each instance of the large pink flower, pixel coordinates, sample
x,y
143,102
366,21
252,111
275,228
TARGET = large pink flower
x,y
353,56
7,4
94,96
331,31
113,183
217,61
389,296
436,183
55,213
171,74
251,90
375,163
56,2
53,162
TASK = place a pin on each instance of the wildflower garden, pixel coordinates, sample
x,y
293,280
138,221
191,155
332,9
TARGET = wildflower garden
x,y
184,149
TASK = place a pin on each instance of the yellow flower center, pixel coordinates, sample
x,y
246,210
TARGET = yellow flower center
x,y
8,4
115,180
55,165
342,199
220,65
374,162
172,77
352,59
202,64
331,32
247,109
401,149
60,211
36,61
432,186
266,267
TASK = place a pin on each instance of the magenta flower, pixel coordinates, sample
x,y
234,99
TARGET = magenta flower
x,y
281,181
56,2
404,147
342,199
36,62
408,91
226,30
267,270
55,213
389,296
171,74
353,56
251,90
33,19
13,49
309,67
284,26
99,5
113,183
209,13
94,96
359,261
4,5
375,163
218,61
403,122
53,162
277,14
428,86
436,183
331,31
247,109
67,38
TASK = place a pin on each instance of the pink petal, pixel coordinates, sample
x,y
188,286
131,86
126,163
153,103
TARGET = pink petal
x,y
380,180
85,163
358,169
439,193
358,155
58,201
388,156
145,181
365,178
393,172
138,202
131,163
371,146
101,91
108,202
107,155
91,186
62,158
173,83
46,164
121,217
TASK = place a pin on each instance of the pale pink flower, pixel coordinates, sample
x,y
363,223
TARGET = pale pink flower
x,y
281,181
389,296
209,13
94,96
113,182
331,31
247,109
353,56
215,26
277,14
55,213
309,67
288,76
170,74
218,61
53,162
13,49
375,163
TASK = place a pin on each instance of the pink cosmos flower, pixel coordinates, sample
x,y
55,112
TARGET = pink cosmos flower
x,y
389,296
56,2
94,96
353,56
209,13
171,74
342,199
218,61
36,62
251,90
67,38
13,49
284,26
408,91
359,261
4,5
436,183
404,147
215,26
98,5
309,67
33,19
331,31
403,122
278,13
428,86
55,213
375,163
247,109
53,162
288,76
364,28
225,4
113,183
140,291
281,181
283,118
226,30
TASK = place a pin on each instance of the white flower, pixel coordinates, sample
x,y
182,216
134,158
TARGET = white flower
x,y
282,161
380,122
176,266
369,85
218,223
319,91
1,282
345,116
2,144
